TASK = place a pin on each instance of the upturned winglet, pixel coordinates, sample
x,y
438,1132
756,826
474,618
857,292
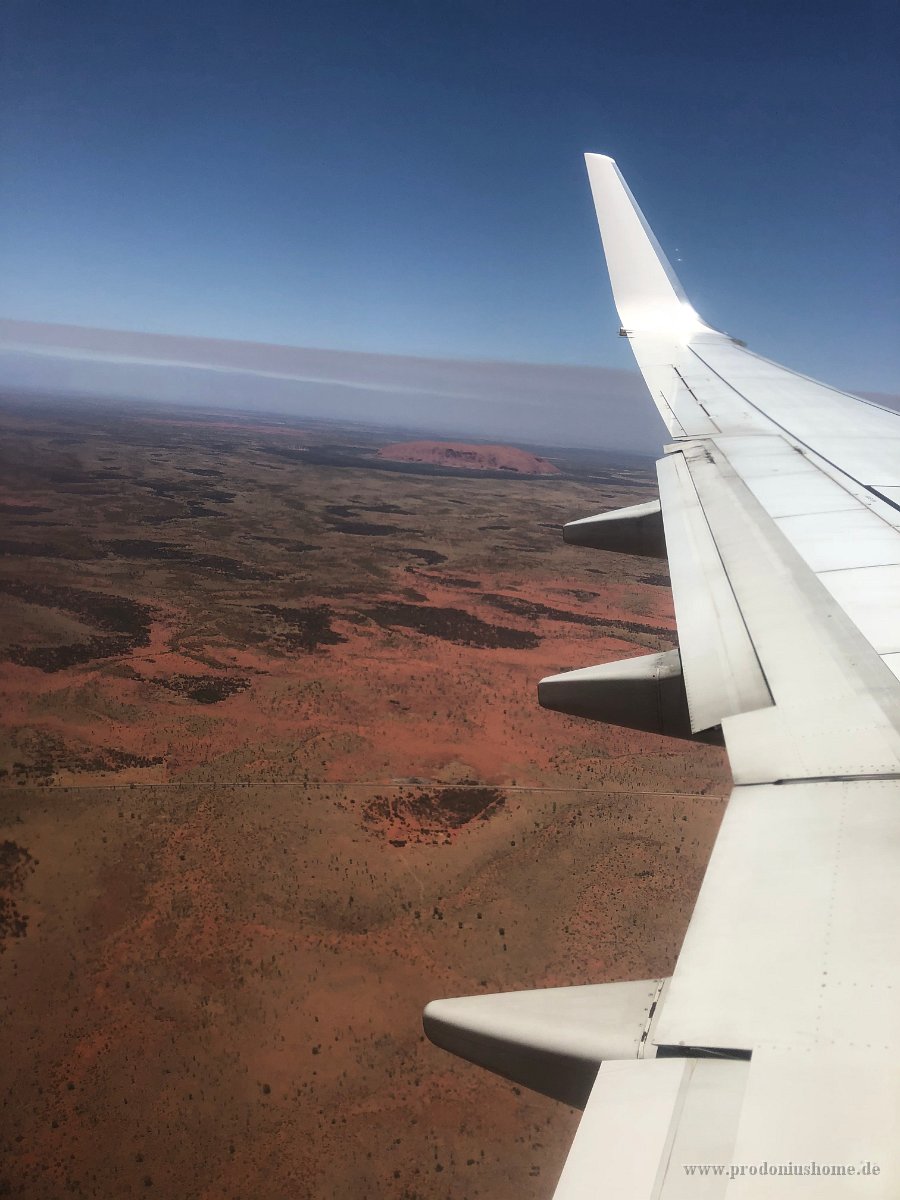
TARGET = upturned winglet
x,y
648,295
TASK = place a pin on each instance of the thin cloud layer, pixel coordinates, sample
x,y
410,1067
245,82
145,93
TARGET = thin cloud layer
x,y
532,402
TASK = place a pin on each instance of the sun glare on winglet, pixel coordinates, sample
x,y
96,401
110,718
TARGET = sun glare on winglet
x,y
648,295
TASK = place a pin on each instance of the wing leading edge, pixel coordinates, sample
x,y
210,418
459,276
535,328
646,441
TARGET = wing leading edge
x,y
768,1064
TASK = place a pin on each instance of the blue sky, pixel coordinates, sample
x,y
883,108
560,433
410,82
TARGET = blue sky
x,y
406,178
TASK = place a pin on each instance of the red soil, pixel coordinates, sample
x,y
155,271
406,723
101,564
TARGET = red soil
x,y
232,927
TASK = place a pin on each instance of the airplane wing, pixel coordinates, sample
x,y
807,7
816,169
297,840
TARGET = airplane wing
x,y
768,1065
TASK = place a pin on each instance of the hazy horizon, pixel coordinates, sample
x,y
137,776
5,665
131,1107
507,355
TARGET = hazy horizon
x,y
535,403
544,404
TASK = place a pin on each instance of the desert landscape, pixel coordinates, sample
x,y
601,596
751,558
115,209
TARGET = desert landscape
x,y
274,775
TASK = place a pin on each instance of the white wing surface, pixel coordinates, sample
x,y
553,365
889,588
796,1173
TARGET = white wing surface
x,y
769,1064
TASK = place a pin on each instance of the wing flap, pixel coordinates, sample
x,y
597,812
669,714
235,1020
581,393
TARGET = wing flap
x,y
722,675
793,938
837,706
646,1121
818,1124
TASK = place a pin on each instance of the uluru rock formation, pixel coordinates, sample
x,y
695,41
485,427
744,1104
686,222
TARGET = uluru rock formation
x,y
470,457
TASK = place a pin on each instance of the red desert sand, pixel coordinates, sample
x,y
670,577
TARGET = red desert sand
x,y
274,776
